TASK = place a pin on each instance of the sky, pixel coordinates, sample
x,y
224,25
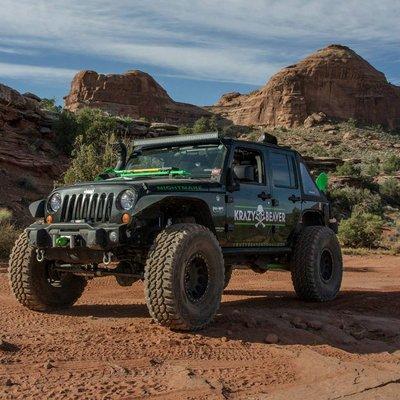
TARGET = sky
x,y
197,50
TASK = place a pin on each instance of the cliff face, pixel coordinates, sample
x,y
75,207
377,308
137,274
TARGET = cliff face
x,y
334,80
134,93
29,160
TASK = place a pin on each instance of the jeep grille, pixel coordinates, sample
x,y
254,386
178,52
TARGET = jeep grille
x,y
89,207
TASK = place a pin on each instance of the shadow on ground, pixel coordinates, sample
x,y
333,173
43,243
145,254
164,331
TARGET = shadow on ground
x,y
357,321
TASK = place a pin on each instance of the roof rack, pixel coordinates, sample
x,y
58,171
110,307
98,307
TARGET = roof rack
x,y
177,139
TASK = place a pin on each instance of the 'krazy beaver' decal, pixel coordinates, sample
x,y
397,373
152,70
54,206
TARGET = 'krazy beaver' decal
x,y
260,216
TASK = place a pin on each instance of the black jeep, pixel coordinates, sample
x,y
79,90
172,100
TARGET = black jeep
x,y
181,213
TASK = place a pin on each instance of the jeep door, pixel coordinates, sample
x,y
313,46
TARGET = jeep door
x,y
285,190
246,223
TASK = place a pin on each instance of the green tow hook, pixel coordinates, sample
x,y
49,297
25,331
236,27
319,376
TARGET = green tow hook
x,y
62,241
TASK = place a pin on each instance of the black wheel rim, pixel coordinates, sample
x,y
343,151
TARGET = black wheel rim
x,y
196,278
326,266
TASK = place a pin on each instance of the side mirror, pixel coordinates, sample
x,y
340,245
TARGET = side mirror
x,y
231,182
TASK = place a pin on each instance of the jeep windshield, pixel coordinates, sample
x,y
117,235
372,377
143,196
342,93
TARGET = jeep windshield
x,y
200,161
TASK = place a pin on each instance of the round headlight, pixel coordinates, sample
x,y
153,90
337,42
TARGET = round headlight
x,y
55,202
127,199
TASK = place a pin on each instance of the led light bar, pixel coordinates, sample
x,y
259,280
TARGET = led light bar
x,y
177,139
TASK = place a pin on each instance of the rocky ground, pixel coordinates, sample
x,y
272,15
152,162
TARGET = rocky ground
x,y
264,344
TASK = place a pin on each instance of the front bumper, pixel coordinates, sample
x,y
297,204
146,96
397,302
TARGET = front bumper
x,y
80,235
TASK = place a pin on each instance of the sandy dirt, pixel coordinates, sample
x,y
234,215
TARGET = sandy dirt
x,y
106,347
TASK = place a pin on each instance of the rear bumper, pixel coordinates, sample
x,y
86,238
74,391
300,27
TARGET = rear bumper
x,y
80,235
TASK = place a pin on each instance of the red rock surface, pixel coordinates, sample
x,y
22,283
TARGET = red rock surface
x,y
134,93
334,80
29,161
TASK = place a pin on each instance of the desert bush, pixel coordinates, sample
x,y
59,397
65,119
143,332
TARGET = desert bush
x,y
89,160
8,233
352,123
391,164
66,130
390,190
347,199
92,149
361,230
185,130
371,167
50,105
349,169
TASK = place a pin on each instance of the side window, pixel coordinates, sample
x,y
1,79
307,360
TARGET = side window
x,y
283,172
309,187
248,166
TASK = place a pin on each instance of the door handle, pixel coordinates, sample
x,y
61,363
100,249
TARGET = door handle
x,y
294,198
264,196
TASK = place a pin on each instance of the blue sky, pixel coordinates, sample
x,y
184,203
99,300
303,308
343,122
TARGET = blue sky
x,y
197,50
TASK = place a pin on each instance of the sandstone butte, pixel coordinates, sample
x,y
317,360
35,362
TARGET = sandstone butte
x,y
135,94
334,80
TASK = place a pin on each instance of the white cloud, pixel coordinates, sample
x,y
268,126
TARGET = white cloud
x,y
231,40
22,71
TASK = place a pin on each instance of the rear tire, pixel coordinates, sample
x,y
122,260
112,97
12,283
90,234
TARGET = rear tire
x,y
317,265
184,277
32,285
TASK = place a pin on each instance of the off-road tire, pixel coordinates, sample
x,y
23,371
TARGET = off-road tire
x,y
228,275
30,285
310,279
166,275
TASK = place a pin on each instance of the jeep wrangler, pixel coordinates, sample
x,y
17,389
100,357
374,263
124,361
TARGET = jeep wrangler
x,y
180,213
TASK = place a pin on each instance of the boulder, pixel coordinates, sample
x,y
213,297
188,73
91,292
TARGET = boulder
x,y
334,81
315,119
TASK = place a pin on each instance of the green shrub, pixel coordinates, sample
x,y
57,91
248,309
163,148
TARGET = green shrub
x,y
349,169
390,190
361,230
89,161
92,150
371,167
391,164
66,130
50,105
201,125
8,233
185,130
346,199
352,123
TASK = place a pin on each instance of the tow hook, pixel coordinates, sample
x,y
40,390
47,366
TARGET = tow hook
x,y
107,258
40,255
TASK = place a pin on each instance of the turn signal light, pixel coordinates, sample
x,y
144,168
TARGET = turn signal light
x,y
49,219
126,218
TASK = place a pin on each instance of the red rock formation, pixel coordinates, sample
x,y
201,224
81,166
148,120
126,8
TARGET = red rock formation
x,y
29,161
334,80
134,93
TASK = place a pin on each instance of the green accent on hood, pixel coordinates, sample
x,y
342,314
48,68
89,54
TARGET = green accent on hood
x,y
322,182
62,241
138,173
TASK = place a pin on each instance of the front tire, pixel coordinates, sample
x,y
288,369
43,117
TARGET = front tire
x,y
184,277
317,265
32,282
